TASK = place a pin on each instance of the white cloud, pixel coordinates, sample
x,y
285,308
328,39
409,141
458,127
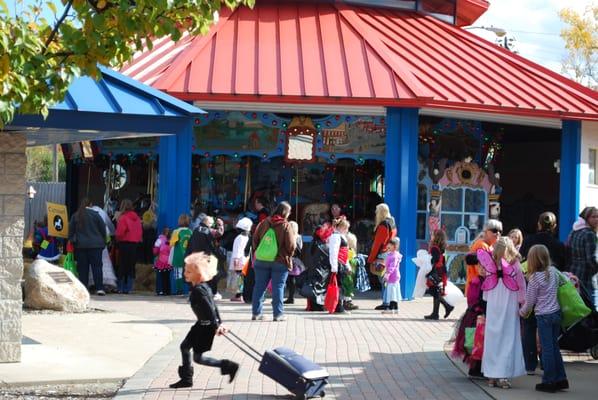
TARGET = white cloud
x,y
535,24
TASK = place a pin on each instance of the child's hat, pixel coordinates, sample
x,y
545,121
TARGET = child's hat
x,y
244,224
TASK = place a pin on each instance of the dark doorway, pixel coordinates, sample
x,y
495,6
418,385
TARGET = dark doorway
x,y
528,176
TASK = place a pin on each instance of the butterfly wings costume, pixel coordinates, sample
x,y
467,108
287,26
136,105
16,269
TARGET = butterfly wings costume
x,y
503,352
507,272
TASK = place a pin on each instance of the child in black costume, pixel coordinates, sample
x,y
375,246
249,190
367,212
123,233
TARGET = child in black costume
x,y
199,269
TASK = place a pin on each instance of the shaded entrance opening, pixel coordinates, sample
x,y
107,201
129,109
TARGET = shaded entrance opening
x,y
528,164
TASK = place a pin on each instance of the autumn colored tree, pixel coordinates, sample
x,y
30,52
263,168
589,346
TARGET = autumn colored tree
x,y
581,41
40,54
39,165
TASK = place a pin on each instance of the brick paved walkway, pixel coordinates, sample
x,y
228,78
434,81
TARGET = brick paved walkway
x,y
368,355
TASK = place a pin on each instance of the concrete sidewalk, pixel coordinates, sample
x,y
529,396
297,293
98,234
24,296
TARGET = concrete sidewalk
x,y
581,369
369,355
60,348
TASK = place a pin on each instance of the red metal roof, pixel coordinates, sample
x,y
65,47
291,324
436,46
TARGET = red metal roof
x,y
341,54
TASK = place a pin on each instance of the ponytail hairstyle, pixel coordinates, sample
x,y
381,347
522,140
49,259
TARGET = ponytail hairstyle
x,y
538,260
547,222
341,223
504,248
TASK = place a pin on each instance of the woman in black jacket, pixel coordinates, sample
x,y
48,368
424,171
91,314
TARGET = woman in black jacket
x,y
87,233
546,236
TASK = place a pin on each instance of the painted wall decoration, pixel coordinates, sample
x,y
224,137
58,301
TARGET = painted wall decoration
x,y
133,145
362,136
236,132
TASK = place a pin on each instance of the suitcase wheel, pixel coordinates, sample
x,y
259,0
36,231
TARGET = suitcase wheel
x,y
322,393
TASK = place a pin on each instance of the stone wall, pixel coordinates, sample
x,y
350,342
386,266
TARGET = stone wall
x,y
12,204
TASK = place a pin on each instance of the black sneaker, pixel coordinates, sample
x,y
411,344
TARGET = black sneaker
x,y
289,301
381,307
546,387
562,385
431,317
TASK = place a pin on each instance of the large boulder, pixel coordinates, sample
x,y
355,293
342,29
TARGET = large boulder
x,y
48,287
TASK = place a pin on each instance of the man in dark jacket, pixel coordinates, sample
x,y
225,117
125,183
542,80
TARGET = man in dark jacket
x,y
203,240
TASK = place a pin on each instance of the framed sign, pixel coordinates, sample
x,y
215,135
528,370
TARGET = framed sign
x,y
301,141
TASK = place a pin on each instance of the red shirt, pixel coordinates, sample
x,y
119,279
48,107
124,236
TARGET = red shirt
x,y
128,228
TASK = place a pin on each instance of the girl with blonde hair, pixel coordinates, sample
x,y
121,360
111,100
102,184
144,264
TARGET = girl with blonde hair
x,y
384,232
199,269
504,290
541,296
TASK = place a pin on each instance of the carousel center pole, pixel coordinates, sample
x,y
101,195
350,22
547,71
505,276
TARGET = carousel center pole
x,y
247,178
297,192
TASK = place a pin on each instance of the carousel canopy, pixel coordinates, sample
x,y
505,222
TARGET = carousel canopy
x,y
115,106
349,55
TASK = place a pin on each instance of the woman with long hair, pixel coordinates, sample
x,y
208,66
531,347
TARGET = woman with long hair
x,y
384,232
128,236
504,291
87,233
437,277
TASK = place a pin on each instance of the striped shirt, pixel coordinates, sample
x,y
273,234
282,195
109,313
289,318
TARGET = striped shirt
x,y
541,293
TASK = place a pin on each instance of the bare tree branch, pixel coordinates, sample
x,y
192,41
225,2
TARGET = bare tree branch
x,y
58,23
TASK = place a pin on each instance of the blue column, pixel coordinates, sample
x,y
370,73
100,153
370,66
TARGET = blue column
x,y
400,185
167,173
174,174
570,183
183,162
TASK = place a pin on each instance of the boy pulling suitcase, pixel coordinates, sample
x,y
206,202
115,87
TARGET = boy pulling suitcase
x,y
199,269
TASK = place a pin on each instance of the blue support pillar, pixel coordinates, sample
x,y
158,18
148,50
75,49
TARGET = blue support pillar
x,y
184,170
174,172
570,176
166,181
400,185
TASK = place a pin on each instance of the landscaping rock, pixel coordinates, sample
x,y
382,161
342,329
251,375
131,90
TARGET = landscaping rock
x,y
48,287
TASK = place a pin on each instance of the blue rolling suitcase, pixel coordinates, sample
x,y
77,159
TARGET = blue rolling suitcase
x,y
302,377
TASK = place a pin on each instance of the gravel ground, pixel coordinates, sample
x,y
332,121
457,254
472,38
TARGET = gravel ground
x,y
89,391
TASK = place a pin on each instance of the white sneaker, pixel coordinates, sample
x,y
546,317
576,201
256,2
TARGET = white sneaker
x,y
217,296
101,293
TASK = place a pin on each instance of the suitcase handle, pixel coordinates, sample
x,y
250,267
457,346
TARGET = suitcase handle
x,y
250,351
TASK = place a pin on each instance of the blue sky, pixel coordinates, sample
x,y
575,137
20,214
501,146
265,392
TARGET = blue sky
x,y
535,25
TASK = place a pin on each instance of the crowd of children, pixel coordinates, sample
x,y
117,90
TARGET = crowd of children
x,y
512,303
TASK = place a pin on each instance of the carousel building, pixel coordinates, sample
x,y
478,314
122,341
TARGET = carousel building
x,y
357,102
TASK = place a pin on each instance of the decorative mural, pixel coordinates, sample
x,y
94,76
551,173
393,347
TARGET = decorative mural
x,y
236,133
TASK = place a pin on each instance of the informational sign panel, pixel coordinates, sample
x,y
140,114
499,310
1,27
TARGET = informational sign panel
x,y
58,221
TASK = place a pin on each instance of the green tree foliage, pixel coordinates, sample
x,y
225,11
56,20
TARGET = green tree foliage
x,y
39,165
581,40
39,58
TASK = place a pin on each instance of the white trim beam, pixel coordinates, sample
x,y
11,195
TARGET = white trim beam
x,y
375,111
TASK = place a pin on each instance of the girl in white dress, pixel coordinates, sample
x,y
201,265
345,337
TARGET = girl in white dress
x,y
504,292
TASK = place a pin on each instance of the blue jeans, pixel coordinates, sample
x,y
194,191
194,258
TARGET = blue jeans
x,y
264,272
530,350
549,327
